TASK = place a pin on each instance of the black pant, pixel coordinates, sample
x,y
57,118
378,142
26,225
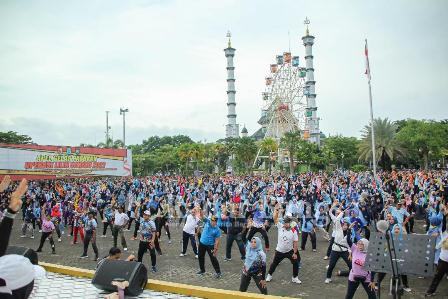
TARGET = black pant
x,y
330,246
117,229
209,249
87,239
137,226
106,224
404,279
187,237
164,224
442,269
44,236
239,241
353,285
130,222
305,238
262,231
245,280
142,247
334,257
279,256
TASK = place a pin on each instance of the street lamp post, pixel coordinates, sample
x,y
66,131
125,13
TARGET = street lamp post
x,y
123,112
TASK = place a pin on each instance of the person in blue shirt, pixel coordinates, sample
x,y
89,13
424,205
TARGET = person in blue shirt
x,y
90,226
308,229
209,242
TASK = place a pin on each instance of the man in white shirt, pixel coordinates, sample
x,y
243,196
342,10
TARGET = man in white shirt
x,y
120,221
189,231
287,246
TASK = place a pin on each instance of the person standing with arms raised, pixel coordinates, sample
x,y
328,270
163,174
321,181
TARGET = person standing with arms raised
x,y
287,246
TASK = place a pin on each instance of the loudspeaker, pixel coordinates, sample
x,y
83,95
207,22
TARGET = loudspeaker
x,y
110,270
25,251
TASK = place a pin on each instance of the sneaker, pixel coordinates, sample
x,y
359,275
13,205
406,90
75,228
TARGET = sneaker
x,y
59,240
154,269
169,241
23,236
327,280
84,256
218,275
326,267
32,237
196,256
268,277
40,230
201,273
430,294
103,236
296,280
182,254
227,259
314,250
326,257
125,249
407,289
95,259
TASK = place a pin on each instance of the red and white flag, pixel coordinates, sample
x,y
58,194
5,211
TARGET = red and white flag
x,y
366,52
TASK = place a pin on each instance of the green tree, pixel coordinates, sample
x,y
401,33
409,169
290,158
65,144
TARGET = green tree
x,y
424,139
290,141
245,151
12,137
268,146
341,150
387,145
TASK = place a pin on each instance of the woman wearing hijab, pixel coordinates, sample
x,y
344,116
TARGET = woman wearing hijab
x,y
254,266
357,274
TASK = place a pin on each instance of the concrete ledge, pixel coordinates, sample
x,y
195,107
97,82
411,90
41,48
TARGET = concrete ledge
x,y
164,286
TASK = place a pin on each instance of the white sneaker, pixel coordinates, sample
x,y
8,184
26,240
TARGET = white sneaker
x,y
32,237
326,267
407,290
196,256
169,241
59,240
269,277
181,254
327,280
103,236
125,249
326,257
23,236
296,280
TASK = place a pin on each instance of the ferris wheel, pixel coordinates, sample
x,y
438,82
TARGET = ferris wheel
x,y
284,99
284,102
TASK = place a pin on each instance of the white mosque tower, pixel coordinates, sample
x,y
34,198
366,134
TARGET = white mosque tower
x,y
232,128
312,121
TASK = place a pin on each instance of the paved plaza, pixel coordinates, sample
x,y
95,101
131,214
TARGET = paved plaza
x,y
173,268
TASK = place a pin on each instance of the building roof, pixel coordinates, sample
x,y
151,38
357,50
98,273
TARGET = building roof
x,y
259,134
244,130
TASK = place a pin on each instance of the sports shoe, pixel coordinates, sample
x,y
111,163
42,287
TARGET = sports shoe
x,y
407,290
59,240
95,259
326,257
169,241
268,277
53,252
23,236
200,273
84,256
125,249
314,250
326,267
430,294
40,230
196,256
227,259
154,269
182,254
296,280
218,275
327,280
103,236
32,237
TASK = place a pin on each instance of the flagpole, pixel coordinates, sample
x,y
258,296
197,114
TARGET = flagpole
x,y
371,117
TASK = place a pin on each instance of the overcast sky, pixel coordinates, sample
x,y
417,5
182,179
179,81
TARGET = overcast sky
x,y
64,63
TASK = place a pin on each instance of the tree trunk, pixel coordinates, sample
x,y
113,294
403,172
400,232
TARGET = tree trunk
x,y
291,164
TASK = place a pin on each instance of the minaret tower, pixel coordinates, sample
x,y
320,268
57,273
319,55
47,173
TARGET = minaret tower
x,y
232,128
312,121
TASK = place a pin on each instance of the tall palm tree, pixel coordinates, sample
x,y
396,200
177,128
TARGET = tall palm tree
x,y
268,146
290,141
387,146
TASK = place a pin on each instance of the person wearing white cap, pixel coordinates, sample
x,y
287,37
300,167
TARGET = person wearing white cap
x,y
17,276
147,235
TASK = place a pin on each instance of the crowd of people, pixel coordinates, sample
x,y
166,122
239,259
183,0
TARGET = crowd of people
x,y
342,207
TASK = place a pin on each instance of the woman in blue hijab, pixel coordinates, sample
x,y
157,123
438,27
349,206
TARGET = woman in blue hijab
x,y
254,266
